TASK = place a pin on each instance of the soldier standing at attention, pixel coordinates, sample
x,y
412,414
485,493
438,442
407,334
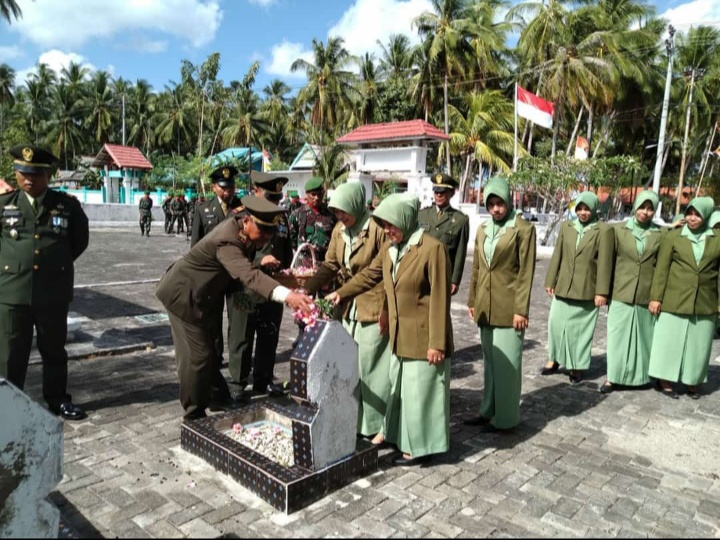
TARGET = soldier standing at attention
x,y
313,222
145,205
265,320
177,207
42,233
190,215
207,216
166,210
448,225
220,261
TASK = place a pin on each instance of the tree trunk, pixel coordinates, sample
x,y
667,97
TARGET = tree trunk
x,y
447,123
463,181
591,117
575,131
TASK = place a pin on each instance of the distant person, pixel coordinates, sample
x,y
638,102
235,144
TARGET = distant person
x,y
145,205
448,225
167,201
42,233
313,222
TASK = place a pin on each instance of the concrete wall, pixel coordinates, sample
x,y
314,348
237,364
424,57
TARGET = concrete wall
x,y
118,214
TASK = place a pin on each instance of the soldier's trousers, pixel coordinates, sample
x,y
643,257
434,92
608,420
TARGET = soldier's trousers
x,y
168,219
145,224
16,334
265,323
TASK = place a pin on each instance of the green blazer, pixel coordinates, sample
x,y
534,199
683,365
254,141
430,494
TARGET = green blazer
x,y
632,275
501,290
582,273
37,251
684,287
453,230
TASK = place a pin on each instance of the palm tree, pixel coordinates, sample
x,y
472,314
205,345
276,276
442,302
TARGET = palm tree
x,y
487,37
397,58
246,123
330,86
9,10
141,111
368,90
7,94
174,124
73,75
444,32
485,134
275,102
100,103
65,135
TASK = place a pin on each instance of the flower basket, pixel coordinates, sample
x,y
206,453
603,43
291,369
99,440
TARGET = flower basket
x,y
297,275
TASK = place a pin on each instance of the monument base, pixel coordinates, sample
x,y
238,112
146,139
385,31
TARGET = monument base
x,y
287,489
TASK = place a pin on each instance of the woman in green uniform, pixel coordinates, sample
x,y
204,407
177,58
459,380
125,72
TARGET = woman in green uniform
x,y
415,271
578,279
633,246
355,242
684,296
499,303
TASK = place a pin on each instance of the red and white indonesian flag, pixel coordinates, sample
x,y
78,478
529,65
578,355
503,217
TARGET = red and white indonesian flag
x,y
535,109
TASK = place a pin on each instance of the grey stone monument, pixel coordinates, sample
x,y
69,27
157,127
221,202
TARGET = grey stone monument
x,y
31,465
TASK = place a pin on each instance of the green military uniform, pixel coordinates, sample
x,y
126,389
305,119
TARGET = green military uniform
x,y
502,277
39,241
208,216
190,215
312,225
448,225
145,205
167,211
193,290
262,324
177,209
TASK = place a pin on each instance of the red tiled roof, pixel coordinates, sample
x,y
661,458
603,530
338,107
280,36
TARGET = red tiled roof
x,y
393,131
127,157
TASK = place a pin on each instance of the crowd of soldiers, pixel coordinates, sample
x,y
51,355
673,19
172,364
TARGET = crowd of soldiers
x,y
178,211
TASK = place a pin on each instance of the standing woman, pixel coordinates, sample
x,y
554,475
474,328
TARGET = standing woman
x,y
578,279
633,246
684,295
415,271
355,242
499,303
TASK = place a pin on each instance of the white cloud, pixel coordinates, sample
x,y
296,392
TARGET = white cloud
x,y
283,55
693,13
56,60
10,53
368,21
70,24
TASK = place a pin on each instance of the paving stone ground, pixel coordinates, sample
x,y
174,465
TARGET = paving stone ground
x,y
581,464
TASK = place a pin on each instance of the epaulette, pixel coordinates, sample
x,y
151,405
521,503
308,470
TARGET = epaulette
x,y
237,210
66,194
7,191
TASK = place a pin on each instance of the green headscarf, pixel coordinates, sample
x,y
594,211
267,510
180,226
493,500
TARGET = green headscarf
x,y
499,187
646,195
350,198
400,210
705,207
714,219
590,199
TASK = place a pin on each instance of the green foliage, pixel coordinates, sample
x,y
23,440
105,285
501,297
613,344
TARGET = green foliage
x,y
394,104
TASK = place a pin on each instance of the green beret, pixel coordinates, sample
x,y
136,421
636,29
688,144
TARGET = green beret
x,y
314,184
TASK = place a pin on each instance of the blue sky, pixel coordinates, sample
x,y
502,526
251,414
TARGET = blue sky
x,y
148,38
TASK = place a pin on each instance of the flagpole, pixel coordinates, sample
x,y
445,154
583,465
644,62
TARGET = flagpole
x,y
515,148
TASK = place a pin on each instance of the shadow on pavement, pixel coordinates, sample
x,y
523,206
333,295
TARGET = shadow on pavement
x,y
73,523
97,306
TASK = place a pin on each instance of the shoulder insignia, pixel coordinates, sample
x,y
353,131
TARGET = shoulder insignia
x,y
11,207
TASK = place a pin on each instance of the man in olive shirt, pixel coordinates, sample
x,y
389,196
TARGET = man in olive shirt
x,y
194,287
448,225
145,205
42,233
265,320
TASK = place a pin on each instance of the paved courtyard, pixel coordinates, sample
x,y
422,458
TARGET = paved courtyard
x,y
630,464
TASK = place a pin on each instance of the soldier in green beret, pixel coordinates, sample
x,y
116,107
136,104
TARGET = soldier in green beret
x,y
448,225
313,222
222,261
42,233
145,205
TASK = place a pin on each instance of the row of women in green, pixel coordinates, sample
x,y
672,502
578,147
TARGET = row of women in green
x,y
661,286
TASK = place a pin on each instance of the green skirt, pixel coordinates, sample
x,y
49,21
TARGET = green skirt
x,y
629,341
681,348
373,392
502,349
418,414
570,332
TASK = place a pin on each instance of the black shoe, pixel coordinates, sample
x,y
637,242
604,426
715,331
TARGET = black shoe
x,y
670,393
693,394
550,370
410,462
575,379
607,388
196,415
275,390
476,421
221,404
489,428
68,411
242,397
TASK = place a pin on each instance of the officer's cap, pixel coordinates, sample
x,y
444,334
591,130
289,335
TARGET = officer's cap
x,y
442,182
224,176
270,183
314,184
265,214
32,159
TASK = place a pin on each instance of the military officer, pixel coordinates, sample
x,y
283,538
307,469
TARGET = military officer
x,y
42,233
145,205
194,287
207,216
448,225
166,210
313,222
264,321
